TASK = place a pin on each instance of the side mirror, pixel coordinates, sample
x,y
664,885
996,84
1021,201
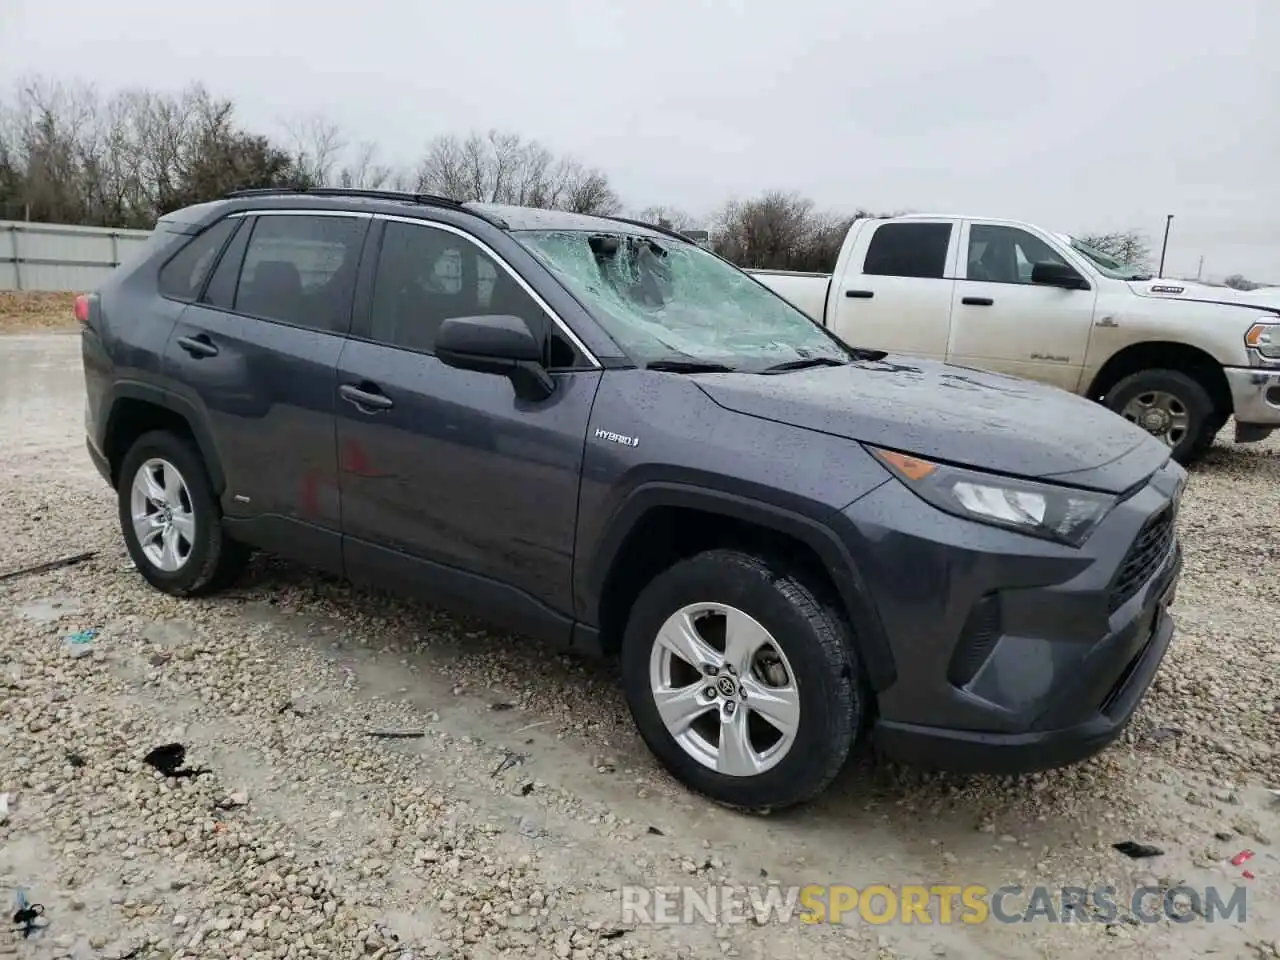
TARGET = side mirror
x,y
496,344
1049,274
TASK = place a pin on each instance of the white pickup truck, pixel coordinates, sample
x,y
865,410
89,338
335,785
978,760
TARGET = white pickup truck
x,y
1178,359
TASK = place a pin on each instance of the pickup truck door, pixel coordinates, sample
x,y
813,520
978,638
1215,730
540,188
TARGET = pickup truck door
x,y
893,285
1001,321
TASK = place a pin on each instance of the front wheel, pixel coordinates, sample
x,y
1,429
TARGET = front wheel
x,y
1171,406
742,681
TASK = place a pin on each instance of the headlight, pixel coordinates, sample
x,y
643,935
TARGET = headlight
x,y
1265,338
1038,509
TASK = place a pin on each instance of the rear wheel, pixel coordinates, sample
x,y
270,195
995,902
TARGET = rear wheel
x,y
171,520
1171,406
742,682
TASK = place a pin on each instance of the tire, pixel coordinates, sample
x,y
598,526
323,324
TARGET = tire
x,y
208,559
818,655
1202,420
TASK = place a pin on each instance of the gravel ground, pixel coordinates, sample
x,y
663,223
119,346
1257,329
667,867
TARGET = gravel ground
x,y
508,826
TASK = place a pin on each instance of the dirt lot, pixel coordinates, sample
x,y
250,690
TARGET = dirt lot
x,y
26,312
510,825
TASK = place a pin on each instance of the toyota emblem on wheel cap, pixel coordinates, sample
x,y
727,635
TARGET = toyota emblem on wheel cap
x,y
727,687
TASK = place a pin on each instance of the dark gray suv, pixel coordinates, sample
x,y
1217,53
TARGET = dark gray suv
x,y
596,432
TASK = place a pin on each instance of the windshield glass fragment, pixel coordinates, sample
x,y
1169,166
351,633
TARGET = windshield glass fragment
x,y
662,299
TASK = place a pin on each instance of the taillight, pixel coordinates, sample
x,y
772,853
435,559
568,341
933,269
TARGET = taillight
x,y
82,308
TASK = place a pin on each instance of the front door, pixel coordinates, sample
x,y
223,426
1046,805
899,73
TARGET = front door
x,y
449,480
1001,321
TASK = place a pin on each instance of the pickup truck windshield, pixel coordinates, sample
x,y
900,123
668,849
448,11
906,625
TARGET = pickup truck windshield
x,y
665,299
1108,266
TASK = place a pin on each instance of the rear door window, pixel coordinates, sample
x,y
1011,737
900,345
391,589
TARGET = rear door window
x,y
301,270
908,250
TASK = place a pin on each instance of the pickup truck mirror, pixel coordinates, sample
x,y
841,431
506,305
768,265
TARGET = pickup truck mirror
x,y
1050,274
496,344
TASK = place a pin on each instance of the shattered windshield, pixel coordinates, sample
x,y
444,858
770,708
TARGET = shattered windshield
x,y
665,299
1109,266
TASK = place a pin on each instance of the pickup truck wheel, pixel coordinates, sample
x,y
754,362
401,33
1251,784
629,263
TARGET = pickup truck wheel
x,y
170,518
1169,405
743,683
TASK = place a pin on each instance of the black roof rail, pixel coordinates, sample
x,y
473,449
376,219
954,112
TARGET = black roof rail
x,y
651,226
400,196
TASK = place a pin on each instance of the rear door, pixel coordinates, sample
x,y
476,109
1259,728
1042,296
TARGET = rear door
x,y
895,293
258,353
450,482
1002,321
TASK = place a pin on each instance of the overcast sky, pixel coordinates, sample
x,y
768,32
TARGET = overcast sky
x,y
1080,116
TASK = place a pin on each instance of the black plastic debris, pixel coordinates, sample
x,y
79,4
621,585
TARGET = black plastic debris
x,y
526,789
654,831
1137,851
169,758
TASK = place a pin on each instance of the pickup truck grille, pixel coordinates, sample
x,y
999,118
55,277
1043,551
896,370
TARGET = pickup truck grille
x,y
1146,554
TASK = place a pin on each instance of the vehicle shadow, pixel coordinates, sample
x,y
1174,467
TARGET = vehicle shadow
x,y
581,698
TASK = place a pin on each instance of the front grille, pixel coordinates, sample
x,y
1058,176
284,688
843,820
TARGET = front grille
x,y
1146,554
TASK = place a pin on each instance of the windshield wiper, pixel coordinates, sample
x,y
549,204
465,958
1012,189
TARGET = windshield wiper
x,y
690,365
803,363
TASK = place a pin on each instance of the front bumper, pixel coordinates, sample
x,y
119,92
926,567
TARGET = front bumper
x,y
1013,654
1255,395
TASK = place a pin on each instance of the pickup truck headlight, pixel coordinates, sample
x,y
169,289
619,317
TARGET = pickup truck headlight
x,y
1265,338
1061,514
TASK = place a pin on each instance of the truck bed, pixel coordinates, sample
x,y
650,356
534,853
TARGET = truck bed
x,y
806,291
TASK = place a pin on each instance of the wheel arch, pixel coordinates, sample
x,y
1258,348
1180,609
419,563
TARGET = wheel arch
x,y
137,408
1201,366
661,522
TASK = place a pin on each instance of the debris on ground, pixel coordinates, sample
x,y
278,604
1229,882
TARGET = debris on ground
x,y
1137,851
29,916
48,566
169,758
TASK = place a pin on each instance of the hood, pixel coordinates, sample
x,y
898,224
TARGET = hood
x,y
1266,298
953,414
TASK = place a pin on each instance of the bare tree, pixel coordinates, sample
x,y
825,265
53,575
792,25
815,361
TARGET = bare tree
x,y
69,155
498,167
1128,247
669,217
364,172
1238,282
316,144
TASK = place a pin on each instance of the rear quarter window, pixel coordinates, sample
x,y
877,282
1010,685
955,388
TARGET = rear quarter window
x,y
183,276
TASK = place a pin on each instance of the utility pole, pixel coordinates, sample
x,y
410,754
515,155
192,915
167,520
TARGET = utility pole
x,y
1200,269
1168,221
